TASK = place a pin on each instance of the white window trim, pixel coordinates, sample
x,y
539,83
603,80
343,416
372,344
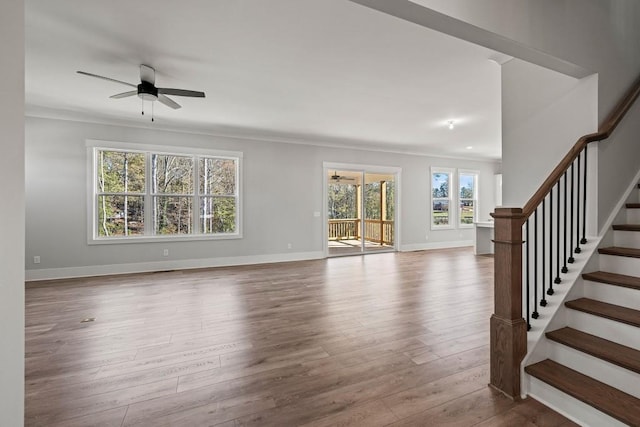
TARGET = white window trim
x,y
452,185
93,145
476,175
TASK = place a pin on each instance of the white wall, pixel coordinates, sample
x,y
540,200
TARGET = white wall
x,y
282,189
12,213
543,115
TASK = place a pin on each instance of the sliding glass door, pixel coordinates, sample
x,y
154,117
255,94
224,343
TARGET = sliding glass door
x,y
360,211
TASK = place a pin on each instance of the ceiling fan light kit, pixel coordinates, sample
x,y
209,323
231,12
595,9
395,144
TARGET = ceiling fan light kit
x,y
147,90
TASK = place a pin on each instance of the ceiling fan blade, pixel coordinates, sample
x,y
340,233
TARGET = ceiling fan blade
x,y
168,101
124,94
181,92
106,78
147,74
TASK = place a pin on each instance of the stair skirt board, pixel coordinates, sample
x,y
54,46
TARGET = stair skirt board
x,y
612,294
612,330
568,406
601,370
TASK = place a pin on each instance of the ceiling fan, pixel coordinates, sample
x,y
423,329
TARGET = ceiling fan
x,y
337,178
147,90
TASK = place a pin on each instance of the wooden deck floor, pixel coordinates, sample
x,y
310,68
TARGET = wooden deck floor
x,y
396,339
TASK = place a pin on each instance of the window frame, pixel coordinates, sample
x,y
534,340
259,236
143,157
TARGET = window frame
x,y
475,175
450,199
94,146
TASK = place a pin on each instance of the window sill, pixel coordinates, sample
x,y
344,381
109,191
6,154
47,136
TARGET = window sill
x,y
164,239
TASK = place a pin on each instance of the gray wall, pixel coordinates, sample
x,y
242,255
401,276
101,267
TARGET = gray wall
x,y
601,36
543,115
289,173
12,213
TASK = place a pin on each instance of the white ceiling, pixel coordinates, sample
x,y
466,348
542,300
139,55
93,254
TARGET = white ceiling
x,y
310,71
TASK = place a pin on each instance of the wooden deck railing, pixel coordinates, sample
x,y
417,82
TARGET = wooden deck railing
x,y
508,333
378,231
344,229
375,230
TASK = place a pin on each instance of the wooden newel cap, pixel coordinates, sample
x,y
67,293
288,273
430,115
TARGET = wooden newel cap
x,y
507,213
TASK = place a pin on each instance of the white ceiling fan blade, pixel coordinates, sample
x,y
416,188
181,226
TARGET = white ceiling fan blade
x,y
147,74
124,94
168,101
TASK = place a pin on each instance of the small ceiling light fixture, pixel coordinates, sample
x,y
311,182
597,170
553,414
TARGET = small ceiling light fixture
x,y
450,122
469,147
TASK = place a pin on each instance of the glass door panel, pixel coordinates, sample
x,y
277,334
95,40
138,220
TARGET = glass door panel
x,y
379,212
344,207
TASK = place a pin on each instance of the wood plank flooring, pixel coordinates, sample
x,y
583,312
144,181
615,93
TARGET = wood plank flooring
x,y
394,339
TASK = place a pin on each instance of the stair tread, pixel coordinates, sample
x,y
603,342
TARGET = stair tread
x,y
633,205
603,397
620,251
606,310
626,357
627,227
632,282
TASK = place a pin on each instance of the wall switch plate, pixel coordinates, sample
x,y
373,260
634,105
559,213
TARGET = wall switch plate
x,y
165,252
36,259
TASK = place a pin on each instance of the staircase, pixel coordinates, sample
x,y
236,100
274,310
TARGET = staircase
x,y
592,372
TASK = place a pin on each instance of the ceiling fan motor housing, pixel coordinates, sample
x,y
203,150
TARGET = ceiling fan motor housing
x,y
147,91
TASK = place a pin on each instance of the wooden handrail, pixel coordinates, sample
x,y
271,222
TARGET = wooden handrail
x,y
508,329
606,129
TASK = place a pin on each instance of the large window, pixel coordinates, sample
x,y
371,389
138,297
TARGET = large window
x,y
468,198
441,198
141,194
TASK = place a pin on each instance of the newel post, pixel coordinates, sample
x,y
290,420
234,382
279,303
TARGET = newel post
x,y
508,328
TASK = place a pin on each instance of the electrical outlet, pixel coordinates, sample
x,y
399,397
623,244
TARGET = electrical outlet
x,y
165,252
36,259
289,245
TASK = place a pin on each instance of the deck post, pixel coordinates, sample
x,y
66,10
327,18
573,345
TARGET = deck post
x,y
508,330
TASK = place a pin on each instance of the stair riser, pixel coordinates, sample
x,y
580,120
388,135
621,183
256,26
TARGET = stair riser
x,y
611,294
626,239
620,264
633,216
613,375
569,406
617,332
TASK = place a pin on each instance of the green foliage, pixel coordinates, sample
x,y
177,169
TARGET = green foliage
x,y
217,177
342,201
391,201
122,173
372,200
171,174
440,185
440,212
173,215
224,215
466,212
466,193
121,188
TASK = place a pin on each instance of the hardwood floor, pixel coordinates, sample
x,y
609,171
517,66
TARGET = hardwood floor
x,y
395,339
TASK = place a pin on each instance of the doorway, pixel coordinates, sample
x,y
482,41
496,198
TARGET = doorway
x,y
361,210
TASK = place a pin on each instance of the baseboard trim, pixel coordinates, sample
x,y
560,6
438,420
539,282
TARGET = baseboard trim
x,y
436,245
147,267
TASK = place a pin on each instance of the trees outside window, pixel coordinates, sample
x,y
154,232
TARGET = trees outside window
x,y
468,199
142,194
441,198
